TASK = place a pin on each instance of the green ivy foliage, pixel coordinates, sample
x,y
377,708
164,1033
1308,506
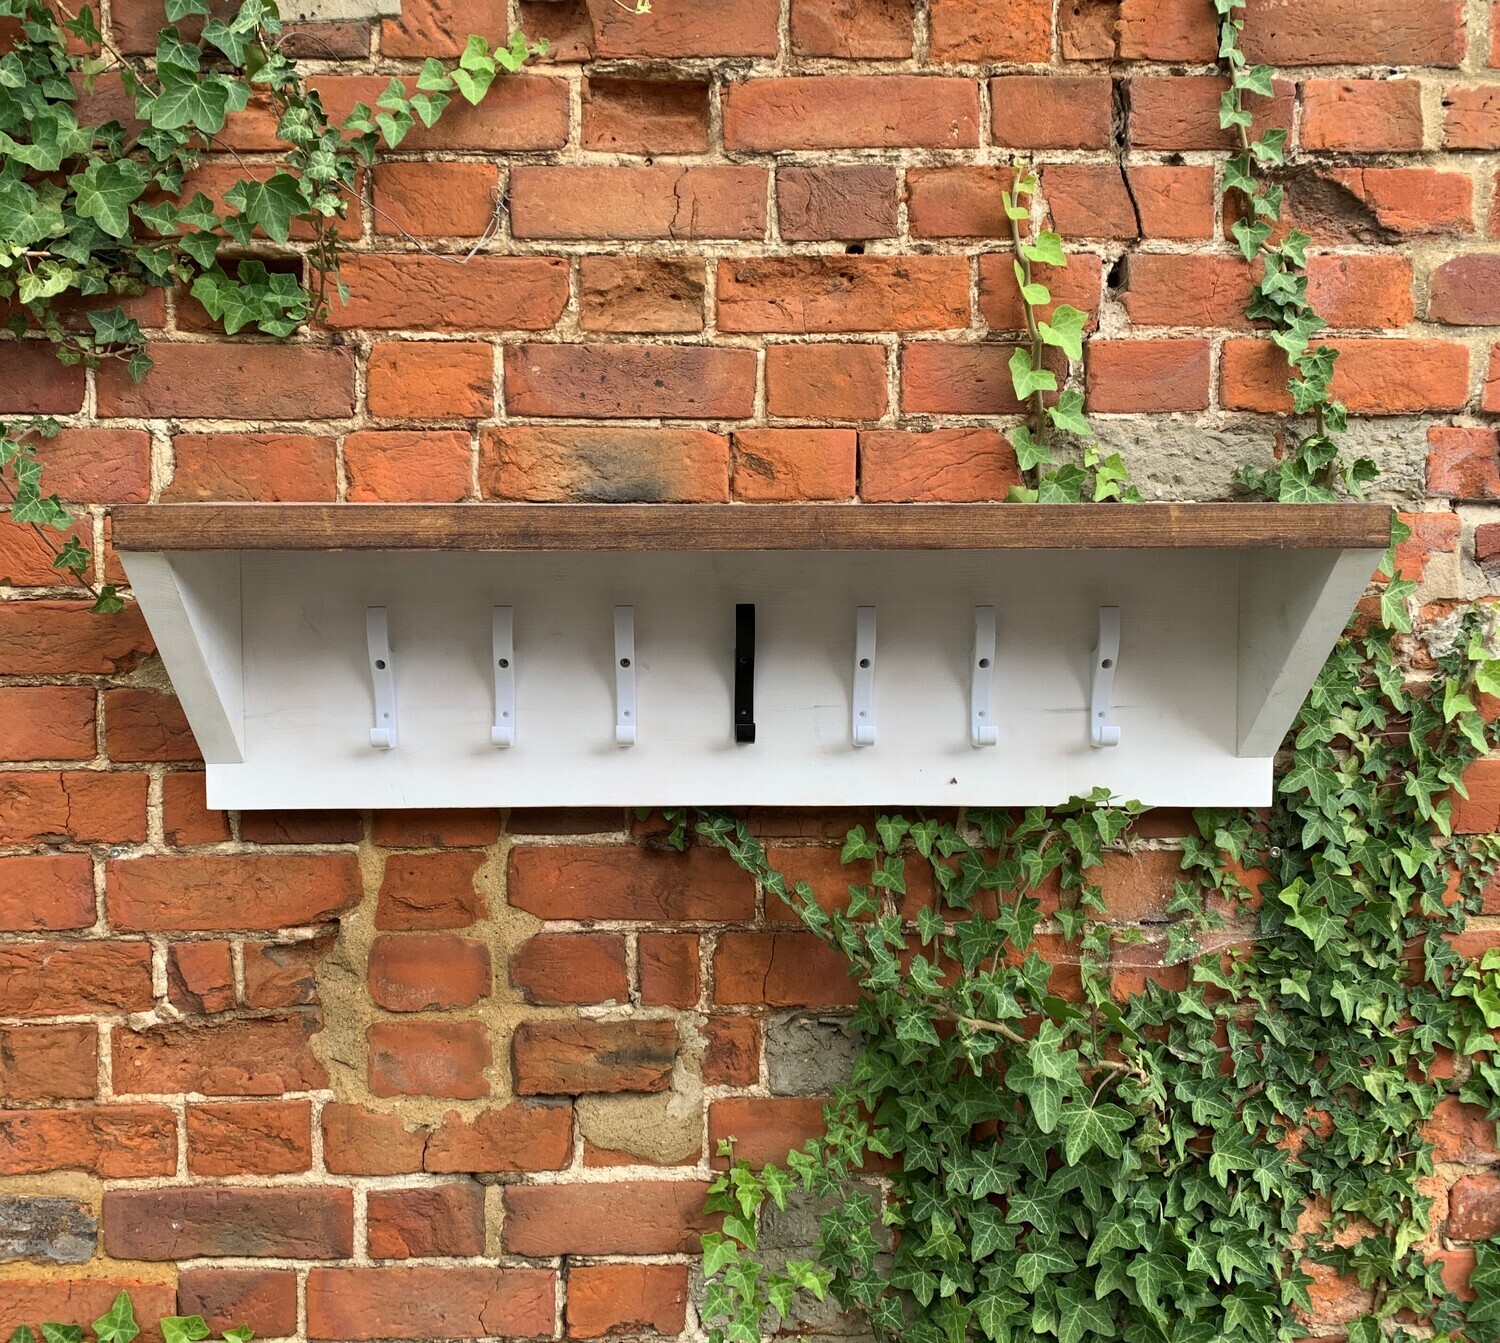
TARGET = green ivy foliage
x,y
117,1325
1074,1160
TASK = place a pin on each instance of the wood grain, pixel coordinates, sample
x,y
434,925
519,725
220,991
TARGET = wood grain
x,y
687,527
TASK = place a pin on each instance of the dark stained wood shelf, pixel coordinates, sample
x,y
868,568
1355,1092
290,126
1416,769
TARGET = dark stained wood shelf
x,y
721,527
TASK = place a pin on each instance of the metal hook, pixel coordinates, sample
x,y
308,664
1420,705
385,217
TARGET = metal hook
x,y
863,711
377,637
1102,678
502,642
982,730
625,721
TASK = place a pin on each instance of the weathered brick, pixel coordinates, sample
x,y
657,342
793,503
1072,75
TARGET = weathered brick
x,y
732,28
1051,111
640,294
408,465
645,116
143,725
82,806
301,827
1354,32
97,466
782,465
1471,116
1411,200
855,29
426,828
1172,289
579,968
226,380
46,892
1465,291
608,1299
583,463
1078,284
1463,463
635,1217
1474,1207
957,202
263,1057
941,465
1370,116
86,1298
843,293
415,973
429,1058
732,1058
262,1299
250,1138
826,381
1173,202
947,378
35,383
431,380
361,1141
435,200
253,468
780,970
852,112
424,892
1090,200
843,201
305,1222
47,1230
764,1128
1372,377
45,979
428,1222
669,968
585,882
43,638
112,1141
431,293
200,977
516,1137
400,1302
43,1063
569,1058
211,892
283,974
660,201
991,30
1171,112
1360,290
630,381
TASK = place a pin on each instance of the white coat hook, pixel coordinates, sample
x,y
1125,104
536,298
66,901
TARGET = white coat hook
x,y
377,636
863,713
1102,679
982,730
625,723
502,642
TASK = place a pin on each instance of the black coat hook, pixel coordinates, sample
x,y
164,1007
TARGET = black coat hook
x,y
744,671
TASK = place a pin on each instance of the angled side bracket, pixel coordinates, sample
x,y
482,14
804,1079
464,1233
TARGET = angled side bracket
x,y
625,722
377,636
863,711
744,671
982,730
503,730
1102,678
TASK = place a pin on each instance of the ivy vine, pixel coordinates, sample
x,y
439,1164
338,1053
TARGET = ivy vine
x,y
118,1325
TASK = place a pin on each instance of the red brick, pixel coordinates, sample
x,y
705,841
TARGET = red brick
x,y
48,1062
262,1299
730,28
429,1302
764,1129
250,1139
1463,463
1170,112
947,378
645,116
1373,377
435,200
200,977
250,468
82,806
836,201
991,30
826,381
588,882
429,891
1090,200
942,465
59,1298
1078,285
423,828
1360,290
1052,111
630,381
661,201
640,294
428,1222
774,465
780,970
283,974
581,968
1474,1207
46,891
147,725
408,466
669,968
854,29
1147,375
97,466
264,1057
112,1141
574,463
301,827
360,1141
429,1058
43,638
732,1058
418,974
1490,398
1471,116
45,979
1479,813
1172,289
637,1217
431,380
957,202
1164,30
1487,542
434,293
1461,1133
1412,200
1465,291
211,893
606,1299
572,1057
517,1137
843,293
1372,116
305,1222
1172,202
426,28
1354,32
225,380
852,112
35,383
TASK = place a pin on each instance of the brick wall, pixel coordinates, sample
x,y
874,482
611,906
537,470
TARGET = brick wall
x,y
451,1075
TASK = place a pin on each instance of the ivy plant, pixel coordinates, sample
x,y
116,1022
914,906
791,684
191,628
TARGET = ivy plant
x,y
118,1325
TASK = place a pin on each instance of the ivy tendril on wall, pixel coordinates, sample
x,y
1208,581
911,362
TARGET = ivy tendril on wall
x,y
93,213
118,1325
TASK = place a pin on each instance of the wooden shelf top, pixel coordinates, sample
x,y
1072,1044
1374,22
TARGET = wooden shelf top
x,y
690,527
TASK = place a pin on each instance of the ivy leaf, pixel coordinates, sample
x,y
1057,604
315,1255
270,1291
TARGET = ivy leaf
x,y
1065,330
1026,378
1068,416
187,100
177,10
62,1333
184,1329
1030,452
1079,1314
1045,250
270,205
105,190
1035,1266
117,1324
1090,1126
